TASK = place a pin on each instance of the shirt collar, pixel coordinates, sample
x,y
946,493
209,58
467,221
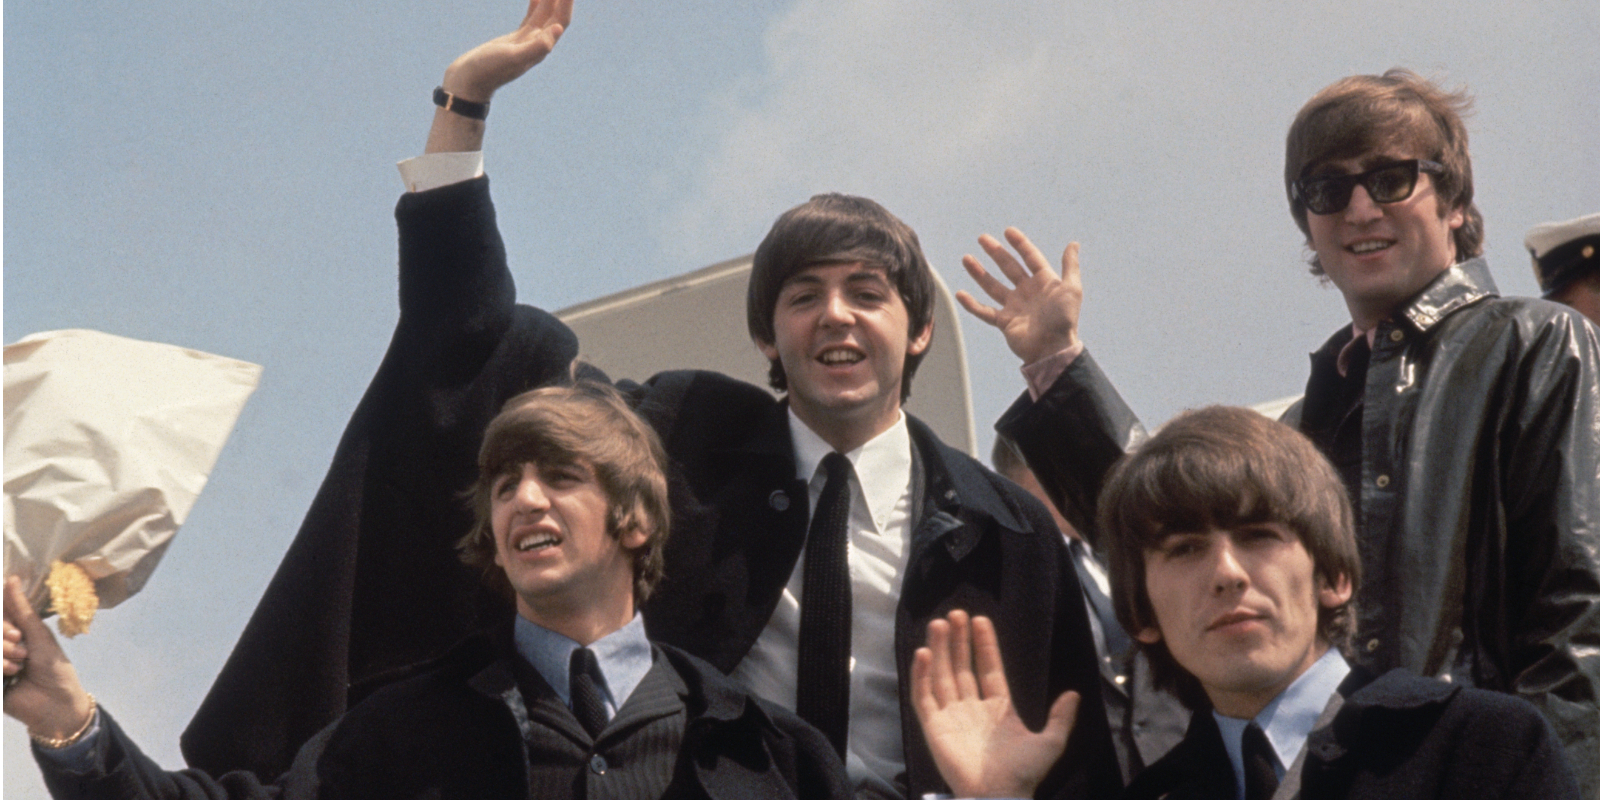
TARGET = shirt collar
x,y
624,656
882,465
1348,351
1288,719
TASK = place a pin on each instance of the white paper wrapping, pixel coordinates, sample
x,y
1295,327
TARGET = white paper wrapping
x,y
108,442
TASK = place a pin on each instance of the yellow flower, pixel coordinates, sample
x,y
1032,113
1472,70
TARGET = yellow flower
x,y
72,596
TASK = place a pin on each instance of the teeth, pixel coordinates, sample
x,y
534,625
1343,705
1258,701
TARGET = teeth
x,y
536,542
839,357
1368,247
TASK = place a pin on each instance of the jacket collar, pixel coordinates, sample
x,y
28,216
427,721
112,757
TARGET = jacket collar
x,y
1461,285
953,497
957,484
712,695
1395,696
1395,690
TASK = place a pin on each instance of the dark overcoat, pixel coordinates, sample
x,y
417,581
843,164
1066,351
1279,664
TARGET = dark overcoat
x,y
1400,737
463,727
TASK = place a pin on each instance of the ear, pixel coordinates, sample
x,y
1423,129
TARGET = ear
x,y
633,537
1456,217
920,342
1335,594
767,349
1149,635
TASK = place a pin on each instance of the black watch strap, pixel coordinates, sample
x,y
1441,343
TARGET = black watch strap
x,y
465,108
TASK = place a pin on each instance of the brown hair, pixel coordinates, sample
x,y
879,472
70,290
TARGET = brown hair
x,y
588,423
838,229
1363,113
1222,467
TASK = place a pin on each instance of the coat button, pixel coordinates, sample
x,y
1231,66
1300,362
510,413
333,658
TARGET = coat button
x,y
1382,481
1372,644
779,500
597,764
1396,335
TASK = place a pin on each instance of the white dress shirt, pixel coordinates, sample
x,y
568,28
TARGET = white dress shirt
x,y
878,546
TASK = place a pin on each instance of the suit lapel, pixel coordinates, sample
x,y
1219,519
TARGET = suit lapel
x,y
659,694
544,708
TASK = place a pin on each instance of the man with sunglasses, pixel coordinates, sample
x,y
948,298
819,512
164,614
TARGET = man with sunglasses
x,y
1465,425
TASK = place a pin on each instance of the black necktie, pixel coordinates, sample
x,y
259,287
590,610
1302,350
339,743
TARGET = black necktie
x,y
585,680
1116,640
823,695
1260,779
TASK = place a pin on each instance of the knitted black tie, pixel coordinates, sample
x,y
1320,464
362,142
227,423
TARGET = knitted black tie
x,y
585,681
1260,779
823,696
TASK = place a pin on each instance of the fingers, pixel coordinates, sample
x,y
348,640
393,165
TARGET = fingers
x,y
545,22
941,680
961,655
18,611
19,615
548,13
922,681
977,309
990,285
991,668
1031,256
1069,266
1002,257
15,651
1063,717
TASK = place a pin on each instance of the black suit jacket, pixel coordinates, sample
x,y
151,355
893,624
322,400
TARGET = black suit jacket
x,y
739,516
1400,737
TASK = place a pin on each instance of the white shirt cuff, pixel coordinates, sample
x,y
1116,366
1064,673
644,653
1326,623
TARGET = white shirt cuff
x,y
1042,373
434,170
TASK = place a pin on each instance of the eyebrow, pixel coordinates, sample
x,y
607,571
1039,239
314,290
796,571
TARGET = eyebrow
x,y
1328,169
867,274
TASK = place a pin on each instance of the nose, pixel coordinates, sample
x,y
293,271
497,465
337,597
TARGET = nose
x,y
836,310
1228,574
531,495
1362,207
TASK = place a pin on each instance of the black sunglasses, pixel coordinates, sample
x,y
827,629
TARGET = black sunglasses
x,y
1390,183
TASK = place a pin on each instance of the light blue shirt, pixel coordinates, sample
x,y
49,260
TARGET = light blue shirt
x,y
624,656
1288,719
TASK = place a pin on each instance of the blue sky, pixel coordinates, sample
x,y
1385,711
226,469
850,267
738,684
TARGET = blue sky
x,y
219,175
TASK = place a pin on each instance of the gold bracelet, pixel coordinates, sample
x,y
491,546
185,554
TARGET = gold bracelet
x,y
52,743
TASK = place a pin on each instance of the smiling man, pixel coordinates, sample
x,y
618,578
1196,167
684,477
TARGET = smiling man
x,y
1466,426
814,534
567,700
1234,562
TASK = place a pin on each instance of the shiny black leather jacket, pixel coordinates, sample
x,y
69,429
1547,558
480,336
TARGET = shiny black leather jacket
x,y
1479,495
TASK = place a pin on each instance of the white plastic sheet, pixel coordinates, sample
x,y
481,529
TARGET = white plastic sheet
x,y
108,441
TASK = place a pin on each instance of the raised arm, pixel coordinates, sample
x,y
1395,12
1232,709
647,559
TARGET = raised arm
x,y
478,73
1071,425
981,746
